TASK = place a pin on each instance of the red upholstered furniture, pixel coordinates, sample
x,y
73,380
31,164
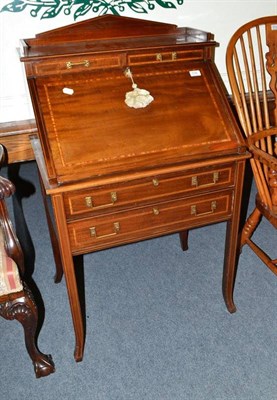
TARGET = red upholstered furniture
x,y
16,299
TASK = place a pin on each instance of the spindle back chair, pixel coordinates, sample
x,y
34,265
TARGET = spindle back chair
x,y
251,61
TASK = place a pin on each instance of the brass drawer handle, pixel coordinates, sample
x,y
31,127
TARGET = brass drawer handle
x,y
174,55
193,210
155,182
159,56
89,201
116,228
194,181
70,64
156,211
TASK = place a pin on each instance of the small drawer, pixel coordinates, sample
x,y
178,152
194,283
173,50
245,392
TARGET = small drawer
x,y
165,56
146,190
149,221
76,64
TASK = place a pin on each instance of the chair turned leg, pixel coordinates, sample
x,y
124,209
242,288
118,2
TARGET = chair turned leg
x,y
250,226
23,309
184,239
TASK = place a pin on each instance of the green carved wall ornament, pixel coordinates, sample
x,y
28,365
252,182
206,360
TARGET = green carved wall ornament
x,y
51,8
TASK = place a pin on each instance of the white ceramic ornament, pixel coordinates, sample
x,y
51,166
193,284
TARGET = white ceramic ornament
x,y
137,98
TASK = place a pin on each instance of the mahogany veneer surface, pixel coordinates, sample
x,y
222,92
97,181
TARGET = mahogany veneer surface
x,y
116,174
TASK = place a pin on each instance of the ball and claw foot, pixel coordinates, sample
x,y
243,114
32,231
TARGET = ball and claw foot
x,y
44,366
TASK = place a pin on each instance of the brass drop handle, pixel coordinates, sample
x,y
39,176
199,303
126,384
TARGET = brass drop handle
x,y
155,182
70,64
194,181
159,56
116,228
156,211
193,210
89,201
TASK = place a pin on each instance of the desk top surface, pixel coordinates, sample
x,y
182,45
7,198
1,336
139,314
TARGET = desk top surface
x,y
109,33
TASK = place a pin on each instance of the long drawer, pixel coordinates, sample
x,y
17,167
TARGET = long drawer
x,y
72,64
146,190
149,221
165,56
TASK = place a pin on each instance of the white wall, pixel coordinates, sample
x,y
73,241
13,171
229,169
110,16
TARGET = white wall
x,y
220,17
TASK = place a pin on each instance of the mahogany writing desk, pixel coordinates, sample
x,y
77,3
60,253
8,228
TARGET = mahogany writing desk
x,y
169,160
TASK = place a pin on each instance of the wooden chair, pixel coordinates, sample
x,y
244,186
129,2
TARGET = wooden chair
x,y
16,299
251,61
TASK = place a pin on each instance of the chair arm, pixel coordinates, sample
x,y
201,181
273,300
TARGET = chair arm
x,y
257,136
265,158
10,281
11,243
6,187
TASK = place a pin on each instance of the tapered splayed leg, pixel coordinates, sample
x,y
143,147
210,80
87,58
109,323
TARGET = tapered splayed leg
x,y
53,236
184,239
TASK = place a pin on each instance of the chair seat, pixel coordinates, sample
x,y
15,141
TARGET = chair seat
x,y
10,281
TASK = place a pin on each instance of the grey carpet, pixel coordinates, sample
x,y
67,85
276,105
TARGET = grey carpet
x,y
157,326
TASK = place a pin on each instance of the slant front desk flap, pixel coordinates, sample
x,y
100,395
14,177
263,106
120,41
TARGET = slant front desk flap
x,y
81,88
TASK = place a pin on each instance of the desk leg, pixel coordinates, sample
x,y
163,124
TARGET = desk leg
x,y
183,235
232,247
53,236
69,273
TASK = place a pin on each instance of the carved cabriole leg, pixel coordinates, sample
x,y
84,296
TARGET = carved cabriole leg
x,y
21,307
250,226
